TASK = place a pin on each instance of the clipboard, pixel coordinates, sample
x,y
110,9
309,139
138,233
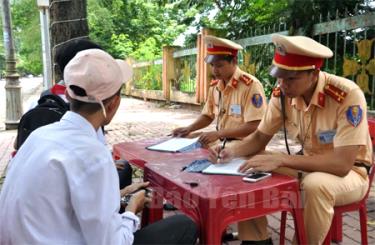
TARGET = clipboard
x,y
204,166
176,145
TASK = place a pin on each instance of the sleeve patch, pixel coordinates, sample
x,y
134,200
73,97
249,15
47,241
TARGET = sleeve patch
x,y
257,100
354,115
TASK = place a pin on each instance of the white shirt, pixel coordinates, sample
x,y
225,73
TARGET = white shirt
x,y
62,187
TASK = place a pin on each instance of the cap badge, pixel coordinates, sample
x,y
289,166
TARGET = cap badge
x,y
280,49
210,45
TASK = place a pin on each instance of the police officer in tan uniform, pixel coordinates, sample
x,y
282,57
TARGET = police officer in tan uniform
x,y
235,97
327,114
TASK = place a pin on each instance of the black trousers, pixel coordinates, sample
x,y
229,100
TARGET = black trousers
x,y
125,175
176,229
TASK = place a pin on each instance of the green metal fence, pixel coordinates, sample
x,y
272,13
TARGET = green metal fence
x,y
351,39
185,70
148,75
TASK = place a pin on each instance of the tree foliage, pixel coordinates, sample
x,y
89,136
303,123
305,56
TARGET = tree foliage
x,y
136,28
140,28
235,18
25,20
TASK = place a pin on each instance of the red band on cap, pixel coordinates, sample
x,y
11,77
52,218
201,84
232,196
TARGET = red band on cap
x,y
219,50
297,62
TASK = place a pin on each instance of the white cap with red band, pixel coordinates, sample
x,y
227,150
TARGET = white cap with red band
x,y
297,53
220,46
97,73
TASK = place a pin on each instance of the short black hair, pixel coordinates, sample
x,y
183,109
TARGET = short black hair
x,y
91,108
68,50
228,58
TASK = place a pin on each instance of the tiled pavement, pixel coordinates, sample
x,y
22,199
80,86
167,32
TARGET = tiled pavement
x,y
137,119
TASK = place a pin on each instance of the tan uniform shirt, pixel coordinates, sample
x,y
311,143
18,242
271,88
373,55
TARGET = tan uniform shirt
x,y
241,100
336,116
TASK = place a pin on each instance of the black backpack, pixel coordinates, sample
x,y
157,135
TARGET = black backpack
x,y
50,109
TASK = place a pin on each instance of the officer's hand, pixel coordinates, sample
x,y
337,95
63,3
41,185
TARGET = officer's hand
x,y
138,202
262,163
217,155
208,137
133,187
181,132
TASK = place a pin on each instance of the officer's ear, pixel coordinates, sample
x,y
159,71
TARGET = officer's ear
x,y
315,74
235,60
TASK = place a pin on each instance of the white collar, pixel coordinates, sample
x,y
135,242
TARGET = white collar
x,y
79,121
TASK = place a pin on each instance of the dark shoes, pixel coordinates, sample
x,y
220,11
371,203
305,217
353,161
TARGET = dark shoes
x,y
262,242
169,207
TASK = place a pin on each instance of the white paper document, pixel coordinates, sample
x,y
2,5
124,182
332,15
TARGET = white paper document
x,y
176,145
230,168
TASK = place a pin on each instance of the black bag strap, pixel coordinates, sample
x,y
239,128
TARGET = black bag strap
x,y
282,102
54,98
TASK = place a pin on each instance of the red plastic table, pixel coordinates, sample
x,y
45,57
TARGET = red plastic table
x,y
217,200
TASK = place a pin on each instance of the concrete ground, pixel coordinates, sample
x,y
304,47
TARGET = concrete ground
x,y
138,119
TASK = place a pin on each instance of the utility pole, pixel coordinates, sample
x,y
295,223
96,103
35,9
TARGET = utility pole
x,y
12,85
43,6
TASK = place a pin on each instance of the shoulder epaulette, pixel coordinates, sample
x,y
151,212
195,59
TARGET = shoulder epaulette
x,y
247,80
335,92
276,92
214,82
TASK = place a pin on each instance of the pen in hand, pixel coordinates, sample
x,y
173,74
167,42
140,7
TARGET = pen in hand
x,y
221,148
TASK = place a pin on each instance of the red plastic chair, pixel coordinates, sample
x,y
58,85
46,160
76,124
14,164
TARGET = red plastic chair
x,y
335,232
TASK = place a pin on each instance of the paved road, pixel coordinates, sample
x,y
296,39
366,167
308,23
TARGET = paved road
x,y
29,88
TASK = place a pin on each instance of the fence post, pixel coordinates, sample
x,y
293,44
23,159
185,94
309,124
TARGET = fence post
x,y
129,85
203,73
168,71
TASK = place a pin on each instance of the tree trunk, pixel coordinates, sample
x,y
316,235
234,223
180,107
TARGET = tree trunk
x,y
67,21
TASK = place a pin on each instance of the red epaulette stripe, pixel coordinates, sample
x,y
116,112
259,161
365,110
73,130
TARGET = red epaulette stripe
x,y
321,99
335,93
276,92
234,83
247,80
214,82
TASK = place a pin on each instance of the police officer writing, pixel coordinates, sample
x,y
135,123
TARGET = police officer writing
x,y
327,114
235,97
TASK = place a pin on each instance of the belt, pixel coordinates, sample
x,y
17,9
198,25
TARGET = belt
x,y
228,139
363,165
